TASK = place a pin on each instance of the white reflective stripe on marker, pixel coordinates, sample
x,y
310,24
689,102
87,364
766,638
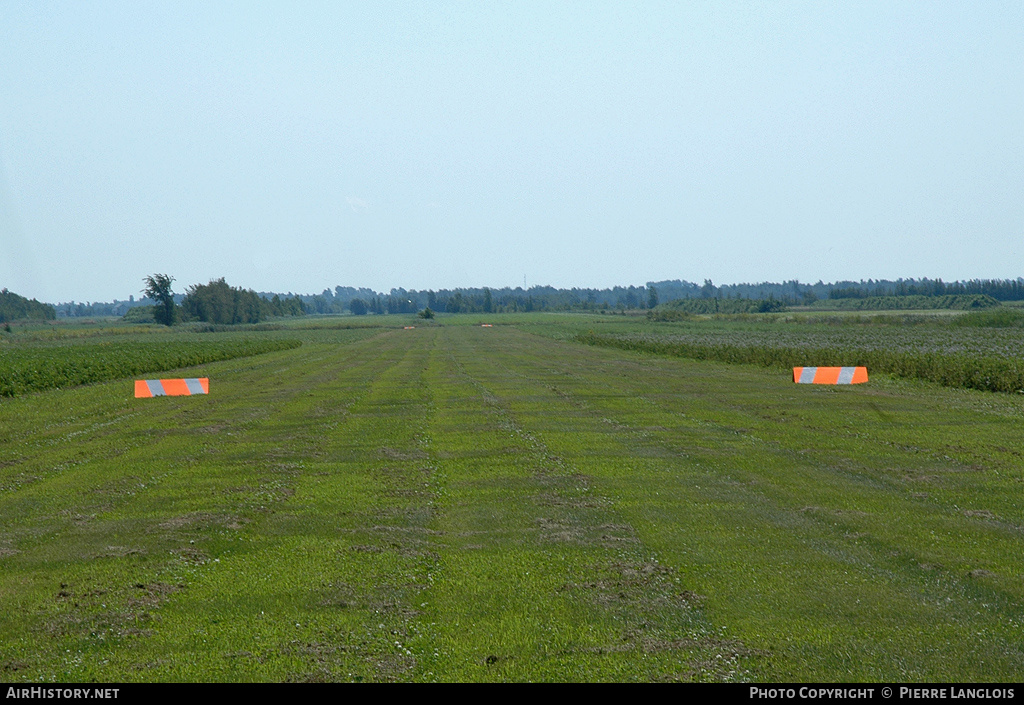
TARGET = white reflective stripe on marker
x,y
846,375
807,375
196,387
155,387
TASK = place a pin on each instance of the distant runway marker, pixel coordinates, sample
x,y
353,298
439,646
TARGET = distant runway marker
x,y
830,375
145,388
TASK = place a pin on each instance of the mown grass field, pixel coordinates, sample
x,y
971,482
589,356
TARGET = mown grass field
x,y
457,503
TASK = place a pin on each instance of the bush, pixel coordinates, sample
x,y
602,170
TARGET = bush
x,y
140,314
221,304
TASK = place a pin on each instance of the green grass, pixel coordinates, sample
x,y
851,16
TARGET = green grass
x,y
456,503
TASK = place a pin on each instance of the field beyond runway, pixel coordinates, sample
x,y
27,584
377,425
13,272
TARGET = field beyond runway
x,y
457,503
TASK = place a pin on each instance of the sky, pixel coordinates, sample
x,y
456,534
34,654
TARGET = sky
x,y
297,146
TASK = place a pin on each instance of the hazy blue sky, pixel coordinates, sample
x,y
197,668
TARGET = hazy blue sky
x,y
296,146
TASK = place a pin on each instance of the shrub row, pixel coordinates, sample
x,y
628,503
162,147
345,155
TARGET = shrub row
x,y
955,302
949,369
31,369
1001,317
677,310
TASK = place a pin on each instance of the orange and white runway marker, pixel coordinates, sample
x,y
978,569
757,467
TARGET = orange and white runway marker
x,y
171,387
830,375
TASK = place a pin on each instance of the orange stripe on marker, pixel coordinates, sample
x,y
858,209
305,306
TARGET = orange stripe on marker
x,y
142,389
826,375
175,387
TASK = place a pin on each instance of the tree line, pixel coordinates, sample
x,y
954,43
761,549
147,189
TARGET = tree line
x,y
794,293
16,308
247,306
479,300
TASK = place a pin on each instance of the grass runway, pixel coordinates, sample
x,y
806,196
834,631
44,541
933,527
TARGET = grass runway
x,y
455,503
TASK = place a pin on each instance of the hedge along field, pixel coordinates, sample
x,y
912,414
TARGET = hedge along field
x,y
965,356
960,302
455,503
968,371
29,369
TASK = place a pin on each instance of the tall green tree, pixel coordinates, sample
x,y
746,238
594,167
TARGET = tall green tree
x,y
158,288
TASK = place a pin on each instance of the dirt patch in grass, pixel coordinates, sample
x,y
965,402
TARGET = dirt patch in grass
x,y
120,552
340,595
710,658
385,598
79,520
613,535
559,531
568,529
192,555
365,548
704,670
407,541
102,614
100,625
644,585
391,668
13,666
152,594
316,676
